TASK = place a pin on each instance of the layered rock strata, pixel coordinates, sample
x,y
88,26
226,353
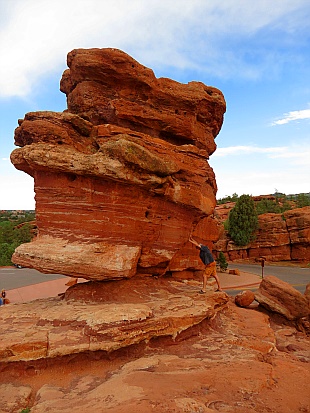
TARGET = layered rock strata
x,y
239,361
103,316
280,237
121,177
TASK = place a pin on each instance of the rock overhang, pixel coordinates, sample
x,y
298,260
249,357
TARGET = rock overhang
x,y
124,131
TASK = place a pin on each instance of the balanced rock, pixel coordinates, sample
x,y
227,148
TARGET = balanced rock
x,y
278,296
245,298
122,177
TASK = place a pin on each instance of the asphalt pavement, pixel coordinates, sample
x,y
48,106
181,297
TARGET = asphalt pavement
x,y
12,277
26,284
296,276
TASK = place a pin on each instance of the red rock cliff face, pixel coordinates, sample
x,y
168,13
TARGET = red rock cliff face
x,y
280,237
121,177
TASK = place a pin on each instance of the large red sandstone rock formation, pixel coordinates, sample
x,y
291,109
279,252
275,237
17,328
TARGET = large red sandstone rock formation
x,y
121,177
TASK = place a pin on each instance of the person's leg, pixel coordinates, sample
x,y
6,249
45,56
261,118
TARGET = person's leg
x,y
214,274
204,281
205,276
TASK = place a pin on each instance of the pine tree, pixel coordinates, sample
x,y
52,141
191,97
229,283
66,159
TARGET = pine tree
x,y
221,261
243,221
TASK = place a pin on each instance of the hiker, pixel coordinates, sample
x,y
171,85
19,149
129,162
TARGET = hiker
x,y
210,269
2,297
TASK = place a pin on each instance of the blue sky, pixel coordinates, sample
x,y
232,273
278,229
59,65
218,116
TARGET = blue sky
x,y
256,53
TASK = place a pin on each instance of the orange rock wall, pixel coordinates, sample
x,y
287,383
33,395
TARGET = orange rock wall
x,y
280,237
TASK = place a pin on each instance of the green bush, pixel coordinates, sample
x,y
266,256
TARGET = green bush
x,y
243,221
276,206
228,198
12,235
221,261
302,200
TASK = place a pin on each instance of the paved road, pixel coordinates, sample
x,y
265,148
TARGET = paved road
x,y
296,276
11,277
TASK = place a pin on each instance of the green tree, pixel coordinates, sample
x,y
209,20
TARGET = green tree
x,y
12,234
221,261
23,234
302,200
6,252
228,198
6,232
242,221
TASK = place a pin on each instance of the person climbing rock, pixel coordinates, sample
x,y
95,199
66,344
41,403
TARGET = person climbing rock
x,y
210,265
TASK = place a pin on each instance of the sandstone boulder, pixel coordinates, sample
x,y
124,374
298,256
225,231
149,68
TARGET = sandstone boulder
x,y
278,296
121,177
245,298
235,271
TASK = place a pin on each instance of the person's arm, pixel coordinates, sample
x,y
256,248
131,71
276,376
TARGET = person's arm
x,y
194,242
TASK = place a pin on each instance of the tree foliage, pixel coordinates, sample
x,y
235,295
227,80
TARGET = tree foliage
x,y
221,261
12,235
269,205
233,198
242,221
302,200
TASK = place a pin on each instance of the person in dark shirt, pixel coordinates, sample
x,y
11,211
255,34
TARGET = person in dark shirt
x,y
210,265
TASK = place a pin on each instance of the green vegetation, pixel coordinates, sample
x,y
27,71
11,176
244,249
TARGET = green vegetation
x,y
242,221
14,230
228,198
277,206
302,200
27,410
221,261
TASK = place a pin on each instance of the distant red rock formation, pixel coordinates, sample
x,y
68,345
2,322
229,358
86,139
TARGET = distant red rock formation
x,y
121,177
280,237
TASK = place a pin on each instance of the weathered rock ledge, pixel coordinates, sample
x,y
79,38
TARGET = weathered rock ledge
x,y
236,360
123,313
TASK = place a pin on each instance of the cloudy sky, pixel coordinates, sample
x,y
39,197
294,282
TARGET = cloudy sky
x,y
256,53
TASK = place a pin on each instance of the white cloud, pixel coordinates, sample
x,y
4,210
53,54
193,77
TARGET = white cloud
x,y
248,150
294,115
295,156
17,192
286,168
35,36
258,182
292,154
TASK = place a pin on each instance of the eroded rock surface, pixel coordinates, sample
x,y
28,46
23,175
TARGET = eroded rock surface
x,y
238,361
104,316
122,176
